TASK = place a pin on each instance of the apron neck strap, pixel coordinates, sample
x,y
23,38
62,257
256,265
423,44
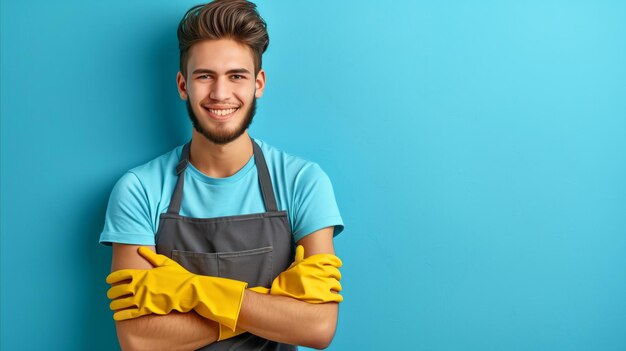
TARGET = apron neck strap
x,y
177,196
267,191
264,179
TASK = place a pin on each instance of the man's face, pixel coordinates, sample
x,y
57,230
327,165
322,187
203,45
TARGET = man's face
x,y
221,89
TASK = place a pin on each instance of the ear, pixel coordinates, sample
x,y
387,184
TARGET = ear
x,y
259,84
181,84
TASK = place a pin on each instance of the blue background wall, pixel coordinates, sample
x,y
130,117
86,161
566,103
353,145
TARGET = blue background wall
x,y
477,150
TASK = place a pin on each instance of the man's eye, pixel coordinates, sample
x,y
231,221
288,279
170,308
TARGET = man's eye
x,y
203,76
236,76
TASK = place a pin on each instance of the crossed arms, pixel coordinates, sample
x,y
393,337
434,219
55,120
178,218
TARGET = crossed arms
x,y
277,318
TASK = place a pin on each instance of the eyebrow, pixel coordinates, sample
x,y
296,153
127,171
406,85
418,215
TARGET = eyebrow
x,y
231,71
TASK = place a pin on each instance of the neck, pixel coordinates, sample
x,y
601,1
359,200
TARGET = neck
x,y
219,161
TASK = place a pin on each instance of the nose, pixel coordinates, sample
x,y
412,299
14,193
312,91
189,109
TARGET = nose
x,y
219,90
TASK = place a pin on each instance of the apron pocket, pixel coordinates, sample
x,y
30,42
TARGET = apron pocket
x,y
197,262
251,266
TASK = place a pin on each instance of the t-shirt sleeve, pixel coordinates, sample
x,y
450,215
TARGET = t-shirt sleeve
x,y
127,219
315,206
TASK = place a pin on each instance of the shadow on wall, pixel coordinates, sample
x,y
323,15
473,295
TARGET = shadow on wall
x,y
172,126
166,127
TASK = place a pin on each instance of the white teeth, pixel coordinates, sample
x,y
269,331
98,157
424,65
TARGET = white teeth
x,y
223,112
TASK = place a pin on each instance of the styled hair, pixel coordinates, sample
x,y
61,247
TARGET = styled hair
x,y
238,20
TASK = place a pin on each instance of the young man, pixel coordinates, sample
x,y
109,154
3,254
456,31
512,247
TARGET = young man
x,y
225,213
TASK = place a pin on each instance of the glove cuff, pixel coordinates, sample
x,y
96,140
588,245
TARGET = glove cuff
x,y
226,333
219,299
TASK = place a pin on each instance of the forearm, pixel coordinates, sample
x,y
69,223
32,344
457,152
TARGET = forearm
x,y
288,320
175,331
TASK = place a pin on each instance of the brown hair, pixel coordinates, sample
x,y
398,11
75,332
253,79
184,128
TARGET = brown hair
x,y
223,19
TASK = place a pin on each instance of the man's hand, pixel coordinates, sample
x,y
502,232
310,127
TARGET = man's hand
x,y
291,321
169,287
314,279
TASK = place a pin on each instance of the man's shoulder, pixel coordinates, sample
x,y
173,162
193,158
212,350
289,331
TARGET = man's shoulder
x,y
159,167
287,168
279,160
145,183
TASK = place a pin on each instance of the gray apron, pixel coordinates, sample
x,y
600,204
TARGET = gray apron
x,y
254,248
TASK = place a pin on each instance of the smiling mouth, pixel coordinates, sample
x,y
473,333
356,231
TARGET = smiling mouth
x,y
221,113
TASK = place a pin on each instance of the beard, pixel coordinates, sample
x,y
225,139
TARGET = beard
x,y
221,137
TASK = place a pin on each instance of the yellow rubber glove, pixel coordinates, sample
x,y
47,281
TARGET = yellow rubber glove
x,y
225,332
314,279
168,286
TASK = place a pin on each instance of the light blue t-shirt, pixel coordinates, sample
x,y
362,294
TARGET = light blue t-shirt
x,y
143,193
